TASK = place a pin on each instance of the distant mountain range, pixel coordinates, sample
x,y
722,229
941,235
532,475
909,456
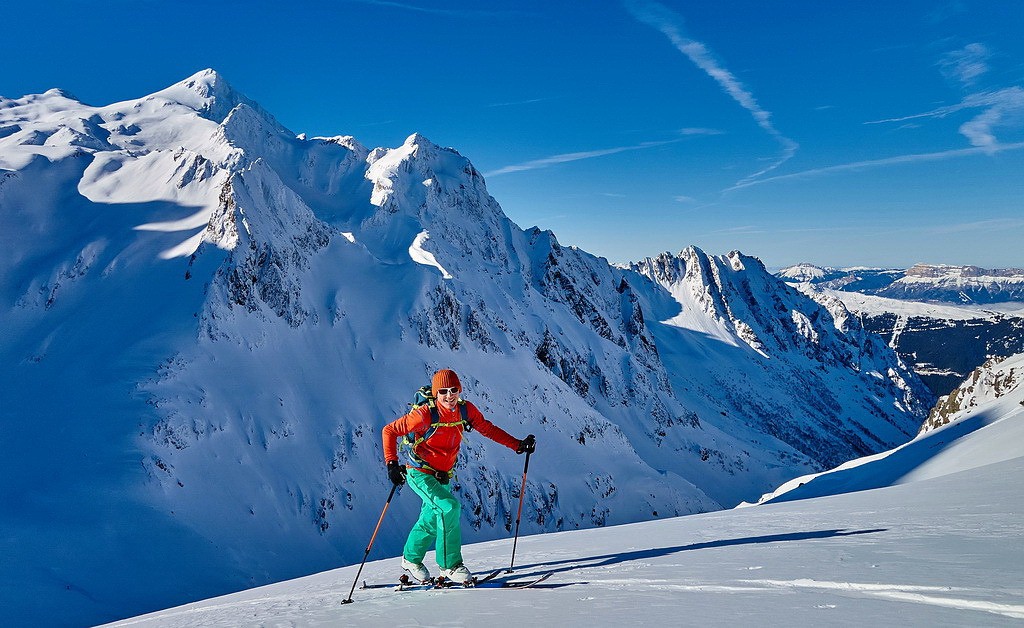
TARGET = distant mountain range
x,y
944,321
921,282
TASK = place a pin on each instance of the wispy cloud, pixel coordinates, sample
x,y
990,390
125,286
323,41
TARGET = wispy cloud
x,y
966,65
577,156
1001,108
562,158
888,161
671,25
700,131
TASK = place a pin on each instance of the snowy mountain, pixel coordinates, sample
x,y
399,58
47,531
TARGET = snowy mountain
x,y
981,423
923,533
922,282
858,279
942,343
207,319
764,356
963,284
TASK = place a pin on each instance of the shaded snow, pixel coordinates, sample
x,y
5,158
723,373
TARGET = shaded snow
x,y
989,429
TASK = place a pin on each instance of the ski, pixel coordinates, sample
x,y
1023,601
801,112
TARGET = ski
x,y
526,584
405,583
489,577
490,583
443,583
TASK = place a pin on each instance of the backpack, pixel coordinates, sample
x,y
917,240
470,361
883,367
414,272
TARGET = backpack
x,y
425,397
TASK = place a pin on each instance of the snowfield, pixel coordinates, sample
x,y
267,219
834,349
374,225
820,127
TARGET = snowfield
x,y
940,548
941,552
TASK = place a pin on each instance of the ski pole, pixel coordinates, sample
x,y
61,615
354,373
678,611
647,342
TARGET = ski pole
x,y
522,493
372,537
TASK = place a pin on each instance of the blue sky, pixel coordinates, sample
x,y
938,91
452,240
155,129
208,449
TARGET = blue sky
x,y
875,133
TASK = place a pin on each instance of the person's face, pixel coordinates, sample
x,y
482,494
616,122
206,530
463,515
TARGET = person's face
x,y
448,397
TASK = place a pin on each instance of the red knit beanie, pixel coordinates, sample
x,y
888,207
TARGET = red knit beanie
x,y
445,378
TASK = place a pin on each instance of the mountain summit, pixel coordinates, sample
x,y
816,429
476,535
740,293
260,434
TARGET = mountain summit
x,y
208,93
230,312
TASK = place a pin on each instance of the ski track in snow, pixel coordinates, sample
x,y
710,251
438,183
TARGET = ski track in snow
x,y
906,593
899,592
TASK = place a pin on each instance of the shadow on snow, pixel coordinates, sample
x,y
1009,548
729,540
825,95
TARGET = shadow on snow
x,y
605,560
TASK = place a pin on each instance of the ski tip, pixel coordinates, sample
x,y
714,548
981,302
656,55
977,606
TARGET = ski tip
x,y
526,584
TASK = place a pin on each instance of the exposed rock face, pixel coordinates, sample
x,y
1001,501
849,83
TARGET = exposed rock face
x,y
993,380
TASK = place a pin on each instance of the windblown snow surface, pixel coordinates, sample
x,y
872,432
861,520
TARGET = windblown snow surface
x,y
925,535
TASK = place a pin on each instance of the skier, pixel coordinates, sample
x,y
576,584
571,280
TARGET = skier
x,y
438,430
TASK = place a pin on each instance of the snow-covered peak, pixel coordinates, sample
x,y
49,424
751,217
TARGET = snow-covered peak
x,y
737,293
958,284
804,272
419,141
420,186
206,92
346,141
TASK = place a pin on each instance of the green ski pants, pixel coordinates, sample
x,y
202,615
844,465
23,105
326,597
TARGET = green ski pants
x,y
438,523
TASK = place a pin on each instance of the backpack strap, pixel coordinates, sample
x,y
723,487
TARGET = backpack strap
x,y
435,422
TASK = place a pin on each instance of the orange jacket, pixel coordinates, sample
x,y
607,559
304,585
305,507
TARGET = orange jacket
x,y
441,450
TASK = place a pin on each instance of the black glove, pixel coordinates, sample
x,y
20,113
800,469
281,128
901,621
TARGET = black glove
x,y
527,446
396,473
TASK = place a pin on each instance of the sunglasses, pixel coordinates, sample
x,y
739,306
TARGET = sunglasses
x,y
445,391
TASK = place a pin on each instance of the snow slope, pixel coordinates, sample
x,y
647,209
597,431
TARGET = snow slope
x,y
207,319
980,423
939,549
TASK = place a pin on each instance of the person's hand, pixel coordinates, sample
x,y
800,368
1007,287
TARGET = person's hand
x,y
396,473
527,446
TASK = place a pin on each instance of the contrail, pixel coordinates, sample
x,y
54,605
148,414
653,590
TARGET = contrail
x,y
670,24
